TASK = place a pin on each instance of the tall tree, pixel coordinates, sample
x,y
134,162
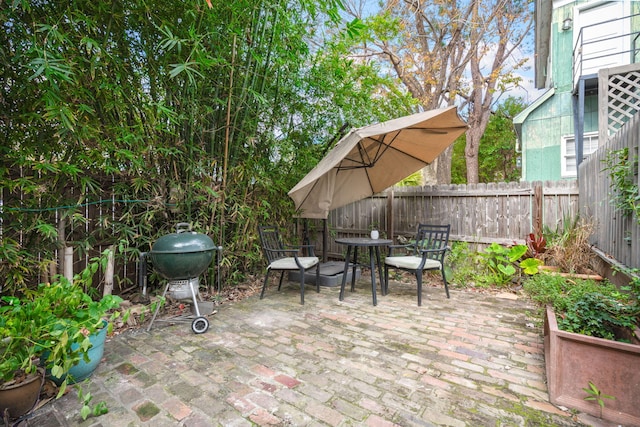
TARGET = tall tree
x,y
447,52
497,155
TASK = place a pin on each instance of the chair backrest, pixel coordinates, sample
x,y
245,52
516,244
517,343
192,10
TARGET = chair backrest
x,y
433,237
271,242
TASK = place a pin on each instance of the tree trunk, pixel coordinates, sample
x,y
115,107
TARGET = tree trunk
x,y
443,172
471,154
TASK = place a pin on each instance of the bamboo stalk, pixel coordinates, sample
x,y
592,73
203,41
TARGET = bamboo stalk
x,y
68,263
108,274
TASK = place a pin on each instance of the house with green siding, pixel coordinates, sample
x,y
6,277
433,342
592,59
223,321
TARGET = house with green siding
x,y
587,59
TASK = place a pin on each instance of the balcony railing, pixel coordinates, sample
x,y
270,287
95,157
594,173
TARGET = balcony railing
x,y
606,44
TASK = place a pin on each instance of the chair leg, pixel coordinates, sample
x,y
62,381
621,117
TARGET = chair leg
x,y
318,278
302,286
264,286
444,279
385,281
280,283
419,280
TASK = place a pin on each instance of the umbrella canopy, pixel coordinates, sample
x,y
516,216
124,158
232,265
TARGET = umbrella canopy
x,y
372,158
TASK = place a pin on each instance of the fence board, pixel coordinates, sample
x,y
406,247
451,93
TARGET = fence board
x,y
479,214
615,235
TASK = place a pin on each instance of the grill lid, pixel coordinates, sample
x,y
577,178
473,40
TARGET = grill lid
x,y
183,241
183,254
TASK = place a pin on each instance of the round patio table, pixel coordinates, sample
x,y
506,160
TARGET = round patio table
x,y
353,243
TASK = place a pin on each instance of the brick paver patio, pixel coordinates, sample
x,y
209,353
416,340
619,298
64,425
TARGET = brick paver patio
x,y
473,360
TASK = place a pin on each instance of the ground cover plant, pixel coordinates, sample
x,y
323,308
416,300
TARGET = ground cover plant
x,y
586,306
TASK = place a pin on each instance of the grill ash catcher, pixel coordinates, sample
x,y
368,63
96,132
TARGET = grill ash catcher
x,y
180,258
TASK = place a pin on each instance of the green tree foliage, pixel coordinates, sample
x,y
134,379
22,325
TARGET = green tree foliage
x,y
497,156
145,113
446,53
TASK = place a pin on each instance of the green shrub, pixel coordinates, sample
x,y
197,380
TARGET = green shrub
x,y
584,306
462,266
560,292
501,263
600,316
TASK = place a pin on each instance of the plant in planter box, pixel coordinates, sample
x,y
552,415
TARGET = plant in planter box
x,y
587,307
603,316
581,321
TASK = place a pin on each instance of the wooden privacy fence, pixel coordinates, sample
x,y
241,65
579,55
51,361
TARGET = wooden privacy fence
x,y
479,214
616,235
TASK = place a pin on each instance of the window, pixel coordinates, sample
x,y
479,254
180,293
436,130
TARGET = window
x,y
590,144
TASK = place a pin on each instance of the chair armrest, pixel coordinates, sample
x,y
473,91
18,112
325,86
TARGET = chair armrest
x,y
441,252
433,250
298,247
293,252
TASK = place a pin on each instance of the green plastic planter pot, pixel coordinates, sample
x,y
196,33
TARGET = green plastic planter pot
x,y
83,369
182,255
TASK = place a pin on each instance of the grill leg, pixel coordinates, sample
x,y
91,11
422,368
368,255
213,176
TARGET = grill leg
x,y
195,300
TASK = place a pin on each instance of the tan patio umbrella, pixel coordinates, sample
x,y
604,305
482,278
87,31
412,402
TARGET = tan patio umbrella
x,y
372,158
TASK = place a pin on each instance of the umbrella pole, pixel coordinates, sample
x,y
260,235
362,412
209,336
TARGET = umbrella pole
x,y
325,239
305,231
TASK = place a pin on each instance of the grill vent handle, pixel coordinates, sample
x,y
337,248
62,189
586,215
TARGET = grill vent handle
x,y
182,227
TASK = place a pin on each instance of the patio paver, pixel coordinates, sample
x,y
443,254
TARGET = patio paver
x,y
473,360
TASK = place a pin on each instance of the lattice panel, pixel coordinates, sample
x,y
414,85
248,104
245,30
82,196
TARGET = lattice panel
x,y
623,99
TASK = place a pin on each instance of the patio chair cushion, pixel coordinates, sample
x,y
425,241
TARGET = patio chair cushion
x,y
290,263
412,262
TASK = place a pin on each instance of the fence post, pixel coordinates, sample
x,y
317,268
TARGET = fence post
x,y
537,208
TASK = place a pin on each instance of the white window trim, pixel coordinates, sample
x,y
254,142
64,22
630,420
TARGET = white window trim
x,y
564,173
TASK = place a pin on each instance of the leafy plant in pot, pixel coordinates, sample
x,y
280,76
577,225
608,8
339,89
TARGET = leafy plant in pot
x,y
50,327
78,321
21,378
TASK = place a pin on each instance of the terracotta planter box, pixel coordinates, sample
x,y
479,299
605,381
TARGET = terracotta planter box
x,y
572,360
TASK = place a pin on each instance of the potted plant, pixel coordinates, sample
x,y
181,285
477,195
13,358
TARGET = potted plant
x,y
52,327
21,378
81,323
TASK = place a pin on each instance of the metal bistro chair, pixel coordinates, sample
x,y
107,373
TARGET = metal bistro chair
x,y
286,258
425,253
